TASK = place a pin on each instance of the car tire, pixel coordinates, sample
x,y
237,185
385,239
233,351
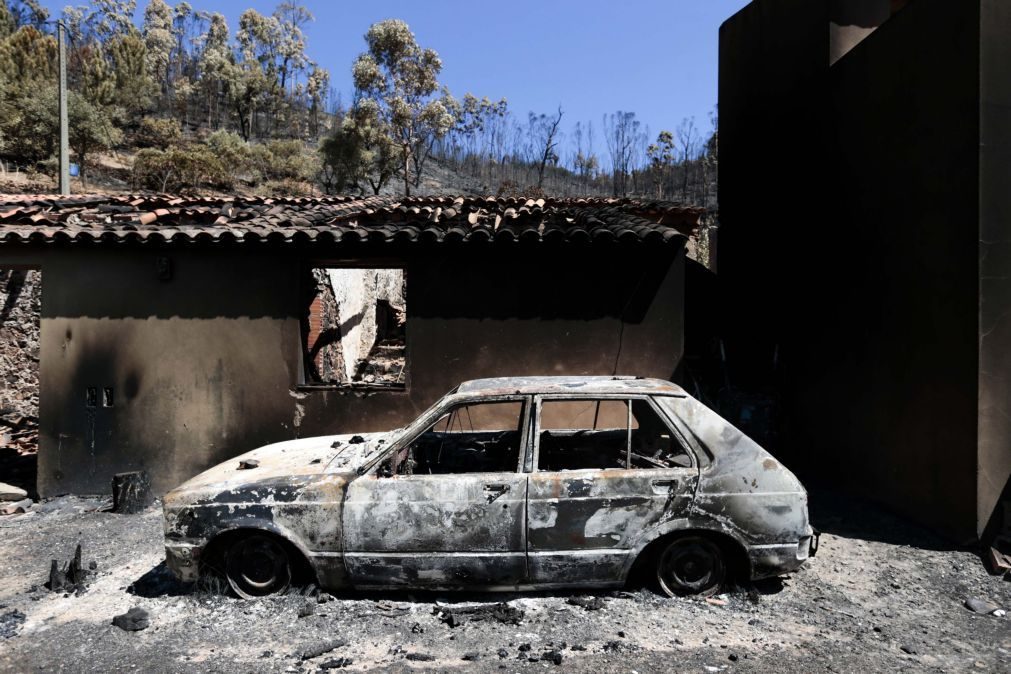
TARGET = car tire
x,y
692,565
257,565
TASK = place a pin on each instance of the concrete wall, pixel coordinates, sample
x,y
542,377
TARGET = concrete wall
x,y
207,365
870,262
994,477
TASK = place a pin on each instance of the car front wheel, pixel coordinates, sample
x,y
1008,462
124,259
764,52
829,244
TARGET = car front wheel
x,y
690,565
257,566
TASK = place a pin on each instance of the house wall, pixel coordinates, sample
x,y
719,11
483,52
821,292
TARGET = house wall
x,y
207,365
872,283
994,476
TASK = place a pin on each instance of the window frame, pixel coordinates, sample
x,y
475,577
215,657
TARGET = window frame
x,y
306,267
420,425
535,430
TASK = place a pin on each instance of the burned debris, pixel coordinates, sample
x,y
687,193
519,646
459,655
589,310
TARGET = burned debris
x,y
456,615
131,492
72,578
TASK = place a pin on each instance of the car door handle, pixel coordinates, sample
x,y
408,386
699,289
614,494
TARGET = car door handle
x,y
662,486
495,490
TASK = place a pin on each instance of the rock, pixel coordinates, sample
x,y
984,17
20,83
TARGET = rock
x,y
336,663
503,653
588,603
248,464
16,507
907,649
420,657
133,620
552,656
979,605
320,649
9,492
471,656
525,647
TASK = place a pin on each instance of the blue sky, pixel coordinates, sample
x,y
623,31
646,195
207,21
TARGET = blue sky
x,y
657,58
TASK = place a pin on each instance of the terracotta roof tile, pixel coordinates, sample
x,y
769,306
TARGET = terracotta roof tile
x,y
160,217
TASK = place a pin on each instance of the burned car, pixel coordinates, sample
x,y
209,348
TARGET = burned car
x,y
510,483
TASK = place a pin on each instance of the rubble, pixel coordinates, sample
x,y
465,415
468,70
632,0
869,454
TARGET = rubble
x,y
458,615
10,623
191,630
19,431
133,620
21,302
997,562
589,603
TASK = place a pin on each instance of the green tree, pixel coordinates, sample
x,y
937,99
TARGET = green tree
x,y
159,40
27,57
218,71
30,126
358,153
400,79
661,155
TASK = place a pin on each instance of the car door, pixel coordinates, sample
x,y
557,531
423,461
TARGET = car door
x,y
446,508
605,470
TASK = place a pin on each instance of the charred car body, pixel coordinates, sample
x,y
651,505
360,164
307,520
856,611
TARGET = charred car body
x,y
511,483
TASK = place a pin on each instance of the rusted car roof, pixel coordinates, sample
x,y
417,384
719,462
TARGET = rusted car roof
x,y
337,219
571,384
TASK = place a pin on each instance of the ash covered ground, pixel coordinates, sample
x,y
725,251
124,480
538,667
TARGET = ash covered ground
x,y
880,596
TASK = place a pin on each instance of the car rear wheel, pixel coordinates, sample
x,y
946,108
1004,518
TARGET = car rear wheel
x,y
690,565
257,566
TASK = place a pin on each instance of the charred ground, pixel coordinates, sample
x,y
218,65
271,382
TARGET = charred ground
x,y
880,596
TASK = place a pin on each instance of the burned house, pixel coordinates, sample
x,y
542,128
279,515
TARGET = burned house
x,y
874,300
179,331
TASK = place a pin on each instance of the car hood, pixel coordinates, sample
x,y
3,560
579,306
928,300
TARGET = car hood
x,y
294,459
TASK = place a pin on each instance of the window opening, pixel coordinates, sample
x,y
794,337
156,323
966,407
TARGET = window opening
x,y
622,434
469,438
356,328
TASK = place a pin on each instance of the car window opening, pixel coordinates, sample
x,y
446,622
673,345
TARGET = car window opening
x,y
623,434
469,438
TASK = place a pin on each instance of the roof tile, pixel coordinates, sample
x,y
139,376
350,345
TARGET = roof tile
x,y
160,217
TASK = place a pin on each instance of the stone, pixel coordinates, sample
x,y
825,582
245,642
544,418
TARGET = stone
x,y
17,507
981,605
133,620
9,492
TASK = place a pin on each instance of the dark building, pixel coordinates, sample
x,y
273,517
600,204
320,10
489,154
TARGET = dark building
x,y
865,244
178,332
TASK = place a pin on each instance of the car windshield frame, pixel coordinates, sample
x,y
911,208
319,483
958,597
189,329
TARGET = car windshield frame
x,y
445,404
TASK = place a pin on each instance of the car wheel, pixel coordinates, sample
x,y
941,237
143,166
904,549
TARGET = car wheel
x,y
690,565
257,566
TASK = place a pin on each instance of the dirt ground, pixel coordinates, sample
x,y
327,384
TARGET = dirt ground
x,y
880,596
